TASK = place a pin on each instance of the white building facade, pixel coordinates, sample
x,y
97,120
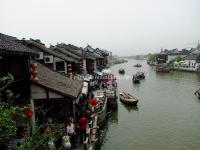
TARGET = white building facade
x,y
191,63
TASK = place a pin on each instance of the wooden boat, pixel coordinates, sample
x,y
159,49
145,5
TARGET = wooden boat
x,y
128,99
121,71
140,75
197,93
101,108
138,65
135,79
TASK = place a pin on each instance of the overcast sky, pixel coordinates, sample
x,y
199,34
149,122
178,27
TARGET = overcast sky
x,y
125,27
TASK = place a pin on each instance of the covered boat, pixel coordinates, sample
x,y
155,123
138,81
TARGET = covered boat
x,y
138,65
128,99
121,71
135,79
140,75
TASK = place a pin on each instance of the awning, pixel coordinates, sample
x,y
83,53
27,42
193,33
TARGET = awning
x,y
106,71
88,78
98,73
85,88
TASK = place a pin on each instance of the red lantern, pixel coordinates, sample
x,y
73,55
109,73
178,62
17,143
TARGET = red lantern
x,y
34,65
93,102
34,72
28,112
35,79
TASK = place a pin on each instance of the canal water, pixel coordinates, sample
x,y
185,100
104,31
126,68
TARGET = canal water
x,y
167,116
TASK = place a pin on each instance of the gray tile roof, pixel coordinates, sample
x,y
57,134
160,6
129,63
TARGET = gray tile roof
x,y
89,51
175,52
72,49
102,52
88,55
192,56
10,46
66,52
58,82
96,55
50,51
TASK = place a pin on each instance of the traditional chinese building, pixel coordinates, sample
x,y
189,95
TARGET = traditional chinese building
x,y
15,63
76,66
54,96
49,57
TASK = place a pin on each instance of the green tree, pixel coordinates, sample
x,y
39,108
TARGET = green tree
x,y
151,57
7,124
177,59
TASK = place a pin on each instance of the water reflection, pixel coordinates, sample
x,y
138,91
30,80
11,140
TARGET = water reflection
x,y
178,75
162,74
131,108
121,74
114,117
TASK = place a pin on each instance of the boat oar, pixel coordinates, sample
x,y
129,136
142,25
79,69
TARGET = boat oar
x,y
197,92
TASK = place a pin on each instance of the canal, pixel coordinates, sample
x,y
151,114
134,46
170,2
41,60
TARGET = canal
x,y
167,116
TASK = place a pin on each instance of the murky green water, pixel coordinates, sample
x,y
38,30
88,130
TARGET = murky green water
x,y
167,116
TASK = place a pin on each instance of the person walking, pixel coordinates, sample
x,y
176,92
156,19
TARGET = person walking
x,y
71,132
83,126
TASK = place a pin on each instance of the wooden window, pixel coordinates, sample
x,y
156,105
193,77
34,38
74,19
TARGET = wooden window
x,y
60,66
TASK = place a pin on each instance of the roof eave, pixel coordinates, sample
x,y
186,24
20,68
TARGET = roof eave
x,y
10,52
59,92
